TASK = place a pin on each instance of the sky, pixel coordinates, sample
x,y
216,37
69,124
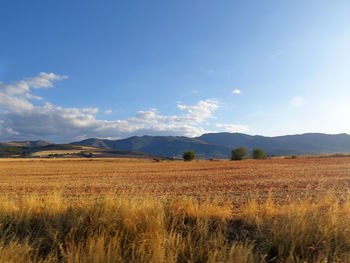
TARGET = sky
x,y
71,70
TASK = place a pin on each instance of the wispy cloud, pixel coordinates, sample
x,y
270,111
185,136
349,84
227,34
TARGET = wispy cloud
x,y
90,110
43,80
236,91
233,127
108,111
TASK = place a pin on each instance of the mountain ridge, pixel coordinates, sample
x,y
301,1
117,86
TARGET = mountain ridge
x,y
209,145
219,145
36,143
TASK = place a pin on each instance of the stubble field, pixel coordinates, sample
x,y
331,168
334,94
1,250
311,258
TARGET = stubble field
x,y
131,210
75,177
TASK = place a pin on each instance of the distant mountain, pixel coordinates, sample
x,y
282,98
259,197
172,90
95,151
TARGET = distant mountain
x,y
98,143
38,143
167,146
211,145
309,143
219,145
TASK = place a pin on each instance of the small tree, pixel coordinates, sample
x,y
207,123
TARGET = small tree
x,y
259,154
239,153
189,155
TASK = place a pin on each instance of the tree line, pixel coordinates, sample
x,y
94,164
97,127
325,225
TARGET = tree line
x,y
239,153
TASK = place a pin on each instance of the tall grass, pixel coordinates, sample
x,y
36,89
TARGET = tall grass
x,y
148,229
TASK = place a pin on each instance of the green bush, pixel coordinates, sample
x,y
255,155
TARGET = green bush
x,y
259,154
189,155
239,153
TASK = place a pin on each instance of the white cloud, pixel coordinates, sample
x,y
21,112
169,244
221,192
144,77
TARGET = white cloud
x,y
198,113
15,96
297,101
108,111
90,110
21,119
236,91
30,96
44,80
233,127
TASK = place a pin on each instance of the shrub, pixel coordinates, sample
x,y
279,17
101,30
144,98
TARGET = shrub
x,y
189,155
259,154
239,153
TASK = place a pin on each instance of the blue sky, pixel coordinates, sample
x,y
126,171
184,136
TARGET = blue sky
x,y
70,70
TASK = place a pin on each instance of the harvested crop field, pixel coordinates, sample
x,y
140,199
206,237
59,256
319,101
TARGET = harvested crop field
x,y
73,177
137,210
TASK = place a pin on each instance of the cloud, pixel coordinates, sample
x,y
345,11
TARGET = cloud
x,y
43,80
108,111
236,91
90,110
16,96
297,101
23,120
233,127
198,113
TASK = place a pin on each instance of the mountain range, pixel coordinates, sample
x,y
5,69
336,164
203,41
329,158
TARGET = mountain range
x,y
219,145
211,145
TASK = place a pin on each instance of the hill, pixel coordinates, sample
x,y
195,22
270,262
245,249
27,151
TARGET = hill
x,y
219,145
35,149
166,146
211,145
26,143
309,143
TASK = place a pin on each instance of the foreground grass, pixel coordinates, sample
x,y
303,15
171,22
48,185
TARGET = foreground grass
x,y
146,229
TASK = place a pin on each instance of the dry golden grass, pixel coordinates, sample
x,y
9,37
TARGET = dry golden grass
x,y
115,210
136,228
233,180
